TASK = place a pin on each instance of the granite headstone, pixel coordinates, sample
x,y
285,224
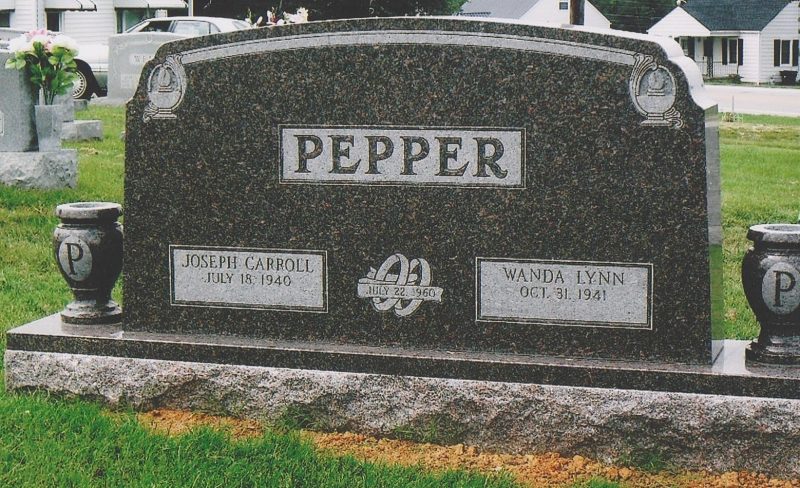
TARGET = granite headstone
x,y
441,186
21,164
17,130
68,107
77,130
129,53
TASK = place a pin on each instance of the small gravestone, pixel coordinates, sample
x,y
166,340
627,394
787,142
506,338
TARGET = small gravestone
x,y
21,164
68,106
128,55
393,221
77,130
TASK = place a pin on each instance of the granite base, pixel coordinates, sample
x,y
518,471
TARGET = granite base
x,y
45,170
728,375
714,432
82,130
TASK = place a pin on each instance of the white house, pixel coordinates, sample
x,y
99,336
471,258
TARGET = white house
x,y
533,11
755,39
87,21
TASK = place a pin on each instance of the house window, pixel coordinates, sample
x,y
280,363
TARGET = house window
x,y
733,51
54,20
563,5
687,43
128,17
785,52
795,51
708,47
5,18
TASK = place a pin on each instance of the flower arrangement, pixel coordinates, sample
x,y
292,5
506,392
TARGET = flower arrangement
x,y
299,17
49,59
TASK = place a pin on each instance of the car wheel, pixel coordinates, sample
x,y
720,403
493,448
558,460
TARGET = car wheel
x,y
82,87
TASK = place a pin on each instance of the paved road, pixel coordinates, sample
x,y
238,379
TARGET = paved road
x,y
745,99
756,100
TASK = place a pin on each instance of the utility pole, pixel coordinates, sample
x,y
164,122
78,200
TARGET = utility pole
x,y
576,12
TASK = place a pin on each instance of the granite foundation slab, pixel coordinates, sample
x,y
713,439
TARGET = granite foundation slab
x,y
728,375
714,432
81,105
45,170
82,130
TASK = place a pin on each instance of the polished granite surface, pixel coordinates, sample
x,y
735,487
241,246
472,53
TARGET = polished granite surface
x,y
729,375
615,158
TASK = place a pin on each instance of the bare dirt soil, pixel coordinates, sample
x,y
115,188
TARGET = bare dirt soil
x,y
535,470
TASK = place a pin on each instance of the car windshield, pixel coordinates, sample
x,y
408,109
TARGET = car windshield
x,y
151,25
193,28
188,27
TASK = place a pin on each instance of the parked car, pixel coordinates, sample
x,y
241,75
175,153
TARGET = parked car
x,y
190,26
93,59
92,71
93,75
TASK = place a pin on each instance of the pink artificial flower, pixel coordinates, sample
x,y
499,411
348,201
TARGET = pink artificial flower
x,y
41,36
37,32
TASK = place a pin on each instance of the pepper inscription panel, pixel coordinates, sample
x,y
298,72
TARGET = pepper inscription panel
x,y
462,157
564,293
292,280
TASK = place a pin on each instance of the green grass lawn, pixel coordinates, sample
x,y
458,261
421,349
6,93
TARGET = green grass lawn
x,y
760,183
54,443
47,442
30,285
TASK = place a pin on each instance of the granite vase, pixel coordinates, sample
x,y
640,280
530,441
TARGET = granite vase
x,y
771,280
49,119
88,249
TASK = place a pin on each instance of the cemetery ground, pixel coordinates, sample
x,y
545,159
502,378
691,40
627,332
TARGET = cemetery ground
x,y
47,441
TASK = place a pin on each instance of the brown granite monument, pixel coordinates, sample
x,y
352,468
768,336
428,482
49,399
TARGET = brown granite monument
x,y
402,219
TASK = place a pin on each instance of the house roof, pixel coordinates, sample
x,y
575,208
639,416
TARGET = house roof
x,y
745,15
504,9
